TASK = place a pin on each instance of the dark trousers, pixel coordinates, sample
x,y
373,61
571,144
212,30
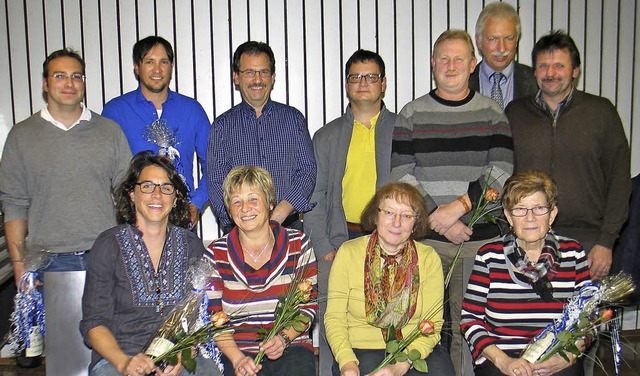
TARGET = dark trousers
x,y
438,362
296,360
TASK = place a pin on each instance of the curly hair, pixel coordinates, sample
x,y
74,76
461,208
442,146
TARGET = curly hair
x,y
125,209
524,184
403,193
253,176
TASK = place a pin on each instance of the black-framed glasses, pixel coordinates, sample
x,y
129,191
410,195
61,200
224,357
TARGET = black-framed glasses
x,y
150,187
389,215
371,78
250,73
75,77
536,210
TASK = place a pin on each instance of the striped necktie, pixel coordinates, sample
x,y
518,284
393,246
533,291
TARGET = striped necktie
x,y
496,92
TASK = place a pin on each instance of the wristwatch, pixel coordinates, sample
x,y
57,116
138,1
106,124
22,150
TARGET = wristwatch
x,y
285,338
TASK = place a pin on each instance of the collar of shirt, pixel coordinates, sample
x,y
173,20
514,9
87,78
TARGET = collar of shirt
x,y
373,122
141,98
505,85
561,106
46,115
247,108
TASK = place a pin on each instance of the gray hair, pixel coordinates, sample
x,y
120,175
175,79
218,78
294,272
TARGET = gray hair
x,y
497,10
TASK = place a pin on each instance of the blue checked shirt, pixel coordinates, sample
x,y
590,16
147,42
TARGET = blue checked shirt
x,y
277,141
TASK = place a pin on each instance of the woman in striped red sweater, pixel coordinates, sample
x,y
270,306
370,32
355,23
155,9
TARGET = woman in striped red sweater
x,y
520,283
255,264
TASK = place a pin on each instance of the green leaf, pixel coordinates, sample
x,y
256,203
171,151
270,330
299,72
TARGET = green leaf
x,y
414,355
173,360
189,364
572,349
401,357
299,327
392,346
420,365
391,334
564,336
564,356
304,318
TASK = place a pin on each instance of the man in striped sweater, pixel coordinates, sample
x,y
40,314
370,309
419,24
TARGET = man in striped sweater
x,y
458,142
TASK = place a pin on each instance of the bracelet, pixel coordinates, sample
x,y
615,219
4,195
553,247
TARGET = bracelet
x,y
461,199
285,338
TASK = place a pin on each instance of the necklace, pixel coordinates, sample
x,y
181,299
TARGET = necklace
x,y
256,258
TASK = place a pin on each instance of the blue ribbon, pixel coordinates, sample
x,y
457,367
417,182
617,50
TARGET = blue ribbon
x,y
29,309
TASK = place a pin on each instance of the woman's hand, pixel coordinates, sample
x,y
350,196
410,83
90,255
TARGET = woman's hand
x,y
245,366
170,370
274,348
514,366
350,369
139,365
397,369
554,364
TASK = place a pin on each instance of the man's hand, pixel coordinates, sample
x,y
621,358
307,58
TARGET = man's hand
x,y
281,211
446,216
330,256
600,259
458,233
193,215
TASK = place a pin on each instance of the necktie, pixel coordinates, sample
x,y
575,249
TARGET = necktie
x,y
496,92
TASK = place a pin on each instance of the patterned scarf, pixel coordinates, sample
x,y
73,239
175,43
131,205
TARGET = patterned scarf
x,y
543,271
391,290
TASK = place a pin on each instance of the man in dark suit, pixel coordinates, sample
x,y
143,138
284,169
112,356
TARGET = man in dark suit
x,y
498,76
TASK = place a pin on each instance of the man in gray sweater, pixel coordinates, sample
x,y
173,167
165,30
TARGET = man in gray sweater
x,y
57,172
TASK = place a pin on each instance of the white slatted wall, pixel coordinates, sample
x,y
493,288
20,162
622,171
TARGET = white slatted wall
x,y
311,39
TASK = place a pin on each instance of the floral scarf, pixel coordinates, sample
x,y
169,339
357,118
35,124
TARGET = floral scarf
x,y
391,290
542,272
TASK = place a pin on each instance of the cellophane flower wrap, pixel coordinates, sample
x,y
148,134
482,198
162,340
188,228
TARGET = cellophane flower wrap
x,y
489,202
27,319
580,317
188,326
288,313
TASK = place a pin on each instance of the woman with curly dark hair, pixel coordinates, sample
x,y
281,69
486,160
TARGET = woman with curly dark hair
x,y
136,271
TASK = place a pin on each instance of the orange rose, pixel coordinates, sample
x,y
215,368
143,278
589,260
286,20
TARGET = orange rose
x,y
606,315
426,326
491,195
305,287
219,318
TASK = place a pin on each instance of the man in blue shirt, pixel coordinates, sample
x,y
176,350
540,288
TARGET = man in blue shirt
x,y
155,118
264,133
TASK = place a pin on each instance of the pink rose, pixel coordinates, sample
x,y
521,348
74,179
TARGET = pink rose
x,y
426,326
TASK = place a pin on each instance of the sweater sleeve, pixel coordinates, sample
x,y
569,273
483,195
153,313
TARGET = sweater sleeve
x,y
473,325
616,171
335,319
14,195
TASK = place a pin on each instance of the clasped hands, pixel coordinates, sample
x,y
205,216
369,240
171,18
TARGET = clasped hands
x,y
273,349
521,367
445,220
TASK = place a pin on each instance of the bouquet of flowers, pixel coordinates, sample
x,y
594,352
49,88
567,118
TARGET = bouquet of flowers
x,y
489,202
579,317
396,348
188,325
287,313
27,319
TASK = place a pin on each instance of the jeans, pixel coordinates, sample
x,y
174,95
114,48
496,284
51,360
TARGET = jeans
x,y
438,362
204,367
66,262
295,361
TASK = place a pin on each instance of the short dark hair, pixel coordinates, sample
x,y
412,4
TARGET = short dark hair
x,y
143,46
253,48
125,209
65,52
362,56
401,192
556,40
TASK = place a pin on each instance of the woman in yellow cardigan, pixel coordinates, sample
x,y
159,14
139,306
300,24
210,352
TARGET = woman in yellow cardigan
x,y
386,279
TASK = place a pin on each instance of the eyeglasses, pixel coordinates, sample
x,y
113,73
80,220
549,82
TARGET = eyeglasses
x,y
536,210
372,78
250,73
75,77
149,187
404,217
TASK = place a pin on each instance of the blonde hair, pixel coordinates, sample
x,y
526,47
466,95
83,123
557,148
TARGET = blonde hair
x,y
256,177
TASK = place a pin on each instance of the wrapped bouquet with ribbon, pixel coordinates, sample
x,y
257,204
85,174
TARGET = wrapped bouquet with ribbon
x,y
580,318
27,319
188,327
